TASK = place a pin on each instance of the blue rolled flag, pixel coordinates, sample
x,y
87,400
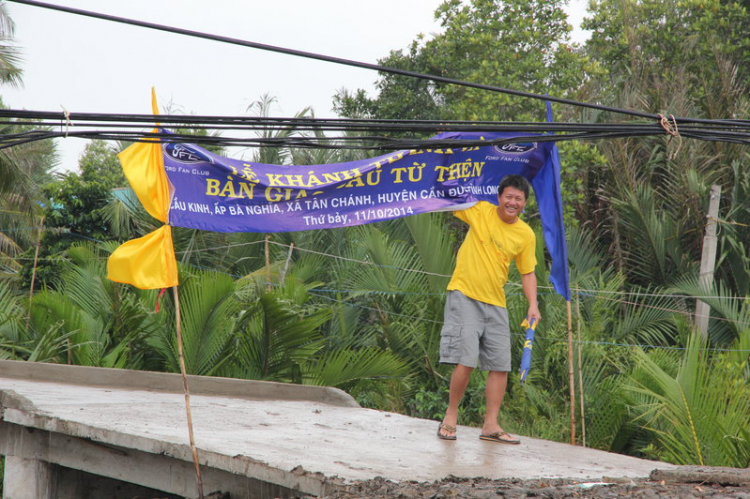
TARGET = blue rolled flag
x,y
527,346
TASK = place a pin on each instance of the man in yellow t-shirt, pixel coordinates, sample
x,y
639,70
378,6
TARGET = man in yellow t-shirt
x,y
476,320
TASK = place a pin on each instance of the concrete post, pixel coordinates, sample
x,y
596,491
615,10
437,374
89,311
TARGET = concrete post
x,y
708,261
28,479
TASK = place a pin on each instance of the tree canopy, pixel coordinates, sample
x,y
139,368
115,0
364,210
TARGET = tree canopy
x,y
361,307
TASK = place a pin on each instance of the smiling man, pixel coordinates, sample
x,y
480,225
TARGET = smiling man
x,y
476,319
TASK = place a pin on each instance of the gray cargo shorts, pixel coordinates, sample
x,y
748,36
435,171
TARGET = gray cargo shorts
x,y
474,330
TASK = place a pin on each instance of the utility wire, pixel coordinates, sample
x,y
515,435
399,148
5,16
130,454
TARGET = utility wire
x,y
309,132
734,131
325,58
364,65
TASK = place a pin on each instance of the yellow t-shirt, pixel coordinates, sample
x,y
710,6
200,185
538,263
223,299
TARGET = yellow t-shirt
x,y
484,258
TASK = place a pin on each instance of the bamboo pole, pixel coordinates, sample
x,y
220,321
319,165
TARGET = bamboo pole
x,y
268,266
33,270
580,369
286,265
193,448
571,379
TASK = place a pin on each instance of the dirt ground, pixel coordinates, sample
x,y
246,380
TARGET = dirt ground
x,y
481,488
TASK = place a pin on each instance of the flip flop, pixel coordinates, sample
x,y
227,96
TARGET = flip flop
x,y
449,428
501,437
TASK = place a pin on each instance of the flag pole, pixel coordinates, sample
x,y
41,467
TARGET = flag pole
x,y
268,266
580,368
571,379
33,272
193,448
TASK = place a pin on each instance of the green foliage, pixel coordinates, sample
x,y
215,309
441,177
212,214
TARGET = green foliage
x,y
276,341
99,163
688,58
73,212
667,39
10,71
23,170
207,311
576,158
76,204
273,155
699,414
532,410
11,322
513,44
360,308
345,368
429,403
89,320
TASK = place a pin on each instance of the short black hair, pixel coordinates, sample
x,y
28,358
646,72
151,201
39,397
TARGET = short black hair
x,y
516,181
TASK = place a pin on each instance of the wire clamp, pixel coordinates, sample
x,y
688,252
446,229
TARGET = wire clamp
x,y
671,129
68,123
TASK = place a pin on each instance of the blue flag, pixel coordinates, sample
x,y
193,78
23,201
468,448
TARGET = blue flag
x,y
528,345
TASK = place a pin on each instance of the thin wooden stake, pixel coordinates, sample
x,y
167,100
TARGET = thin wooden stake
x,y
193,448
33,271
286,265
580,369
571,379
268,267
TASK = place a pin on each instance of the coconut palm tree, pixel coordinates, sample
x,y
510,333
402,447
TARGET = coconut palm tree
x,y
10,72
695,404
24,169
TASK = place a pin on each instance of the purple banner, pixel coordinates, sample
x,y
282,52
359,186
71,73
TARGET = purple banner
x,y
215,193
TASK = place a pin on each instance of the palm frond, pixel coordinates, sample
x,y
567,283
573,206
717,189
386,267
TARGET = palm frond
x,y
730,314
11,314
343,368
390,264
648,319
274,340
699,416
435,247
88,339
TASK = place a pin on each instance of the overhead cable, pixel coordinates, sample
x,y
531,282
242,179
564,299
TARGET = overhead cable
x,y
371,134
335,60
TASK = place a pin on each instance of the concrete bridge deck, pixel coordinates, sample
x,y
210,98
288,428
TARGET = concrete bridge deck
x,y
63,425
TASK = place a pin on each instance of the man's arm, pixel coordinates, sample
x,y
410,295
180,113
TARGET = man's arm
x,y
528,283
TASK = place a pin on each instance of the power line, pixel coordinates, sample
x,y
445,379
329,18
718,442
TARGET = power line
x,y
733,131
362,134
325,58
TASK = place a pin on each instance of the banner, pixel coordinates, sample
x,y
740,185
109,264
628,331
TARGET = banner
x,y
220,194
216,193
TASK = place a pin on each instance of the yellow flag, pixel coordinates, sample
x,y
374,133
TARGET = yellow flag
x,y
143,165
148,262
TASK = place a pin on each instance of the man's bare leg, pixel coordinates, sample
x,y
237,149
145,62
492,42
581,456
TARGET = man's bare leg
x,y
497,382
459,381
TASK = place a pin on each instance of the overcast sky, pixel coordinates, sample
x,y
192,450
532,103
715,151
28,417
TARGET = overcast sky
x,y
83,64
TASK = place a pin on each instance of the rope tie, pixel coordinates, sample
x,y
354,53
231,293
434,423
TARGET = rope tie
x,y
68,123
671,129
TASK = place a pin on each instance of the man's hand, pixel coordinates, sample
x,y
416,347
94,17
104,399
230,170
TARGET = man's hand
x,y
528,283
533,314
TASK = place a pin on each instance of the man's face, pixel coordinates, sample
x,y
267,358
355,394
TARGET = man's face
x,y
511,203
